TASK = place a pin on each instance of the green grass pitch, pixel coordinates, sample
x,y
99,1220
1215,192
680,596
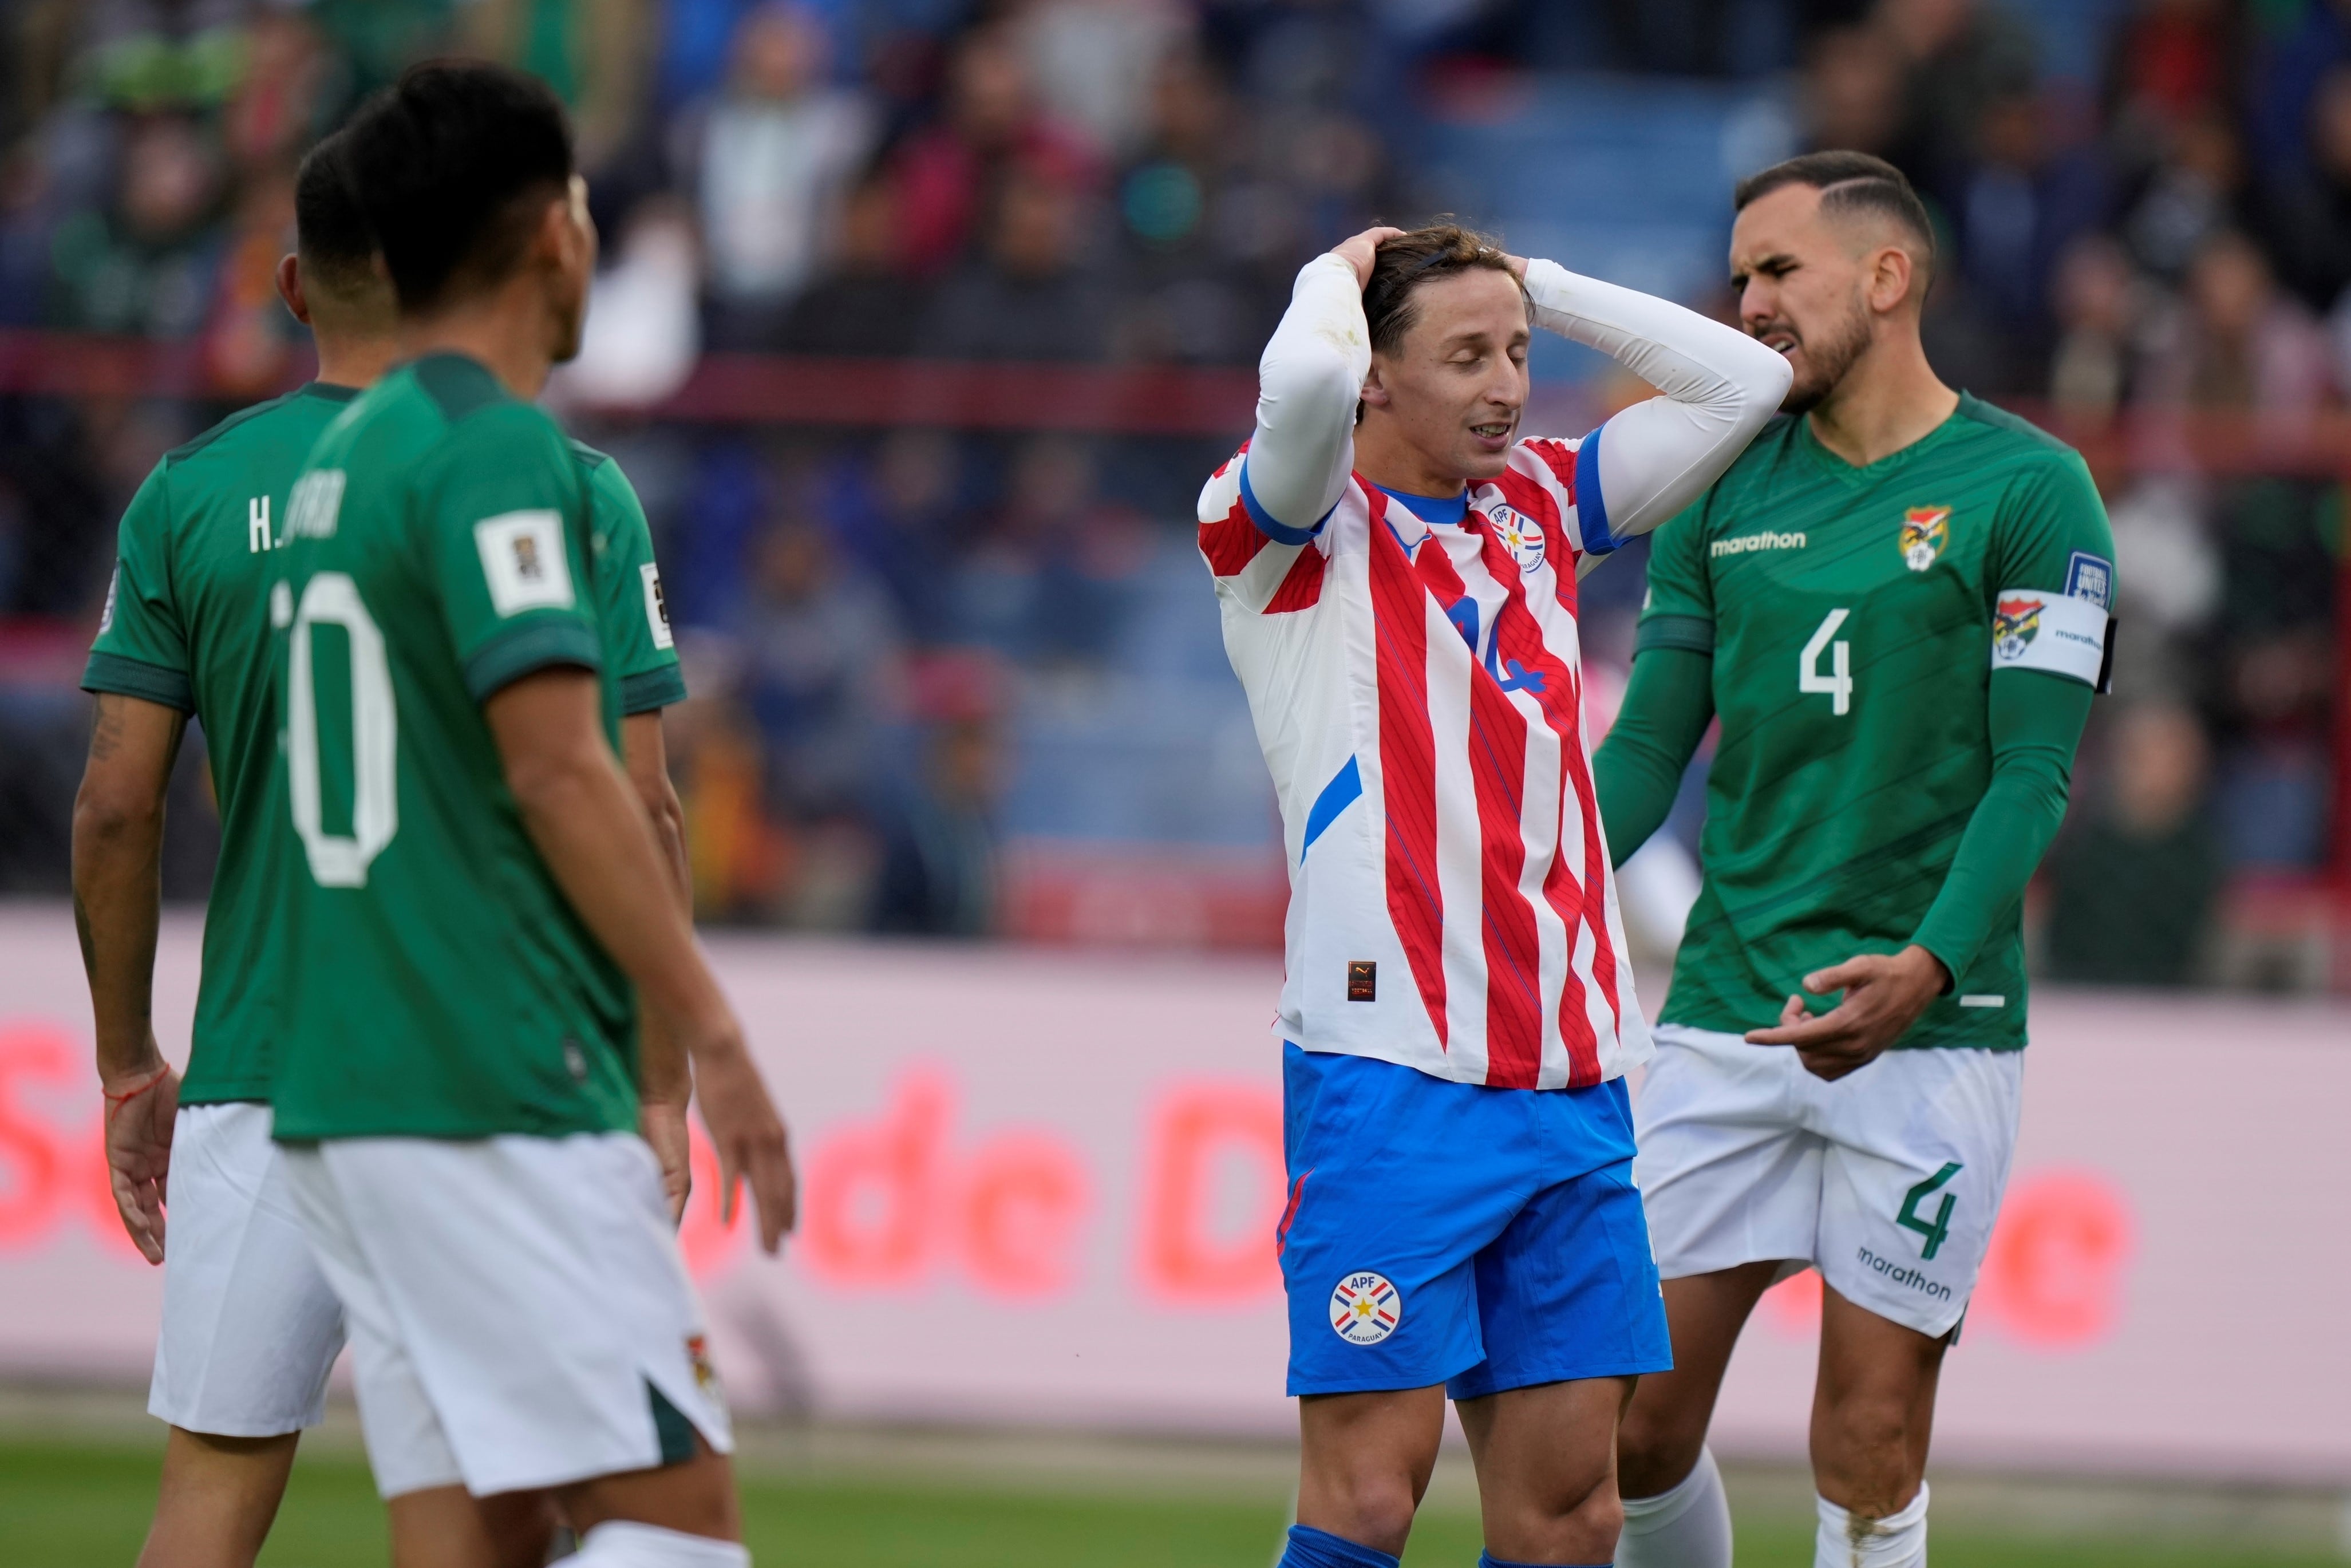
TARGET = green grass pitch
x,y
83,1503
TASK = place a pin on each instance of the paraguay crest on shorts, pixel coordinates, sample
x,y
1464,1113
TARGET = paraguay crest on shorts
x,y
1365,1309
1925,531
2014,623
1519,534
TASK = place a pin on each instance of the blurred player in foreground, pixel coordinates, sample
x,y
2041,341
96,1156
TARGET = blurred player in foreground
x,y
250,1328
1396,569
467,905
1896,603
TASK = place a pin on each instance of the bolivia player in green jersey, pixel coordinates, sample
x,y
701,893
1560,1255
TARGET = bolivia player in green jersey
x,y
250,1327
469,933
1896,603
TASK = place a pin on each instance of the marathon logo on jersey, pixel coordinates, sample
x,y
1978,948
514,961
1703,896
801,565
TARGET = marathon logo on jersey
x,y
2015,622
1746,542
1365,1309
1519,535
657,607
2091,578
317,502
1925,531
522,561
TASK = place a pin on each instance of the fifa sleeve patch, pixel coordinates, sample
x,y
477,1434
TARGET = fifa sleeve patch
x,y
2033,629
523,560
656,607
2091,577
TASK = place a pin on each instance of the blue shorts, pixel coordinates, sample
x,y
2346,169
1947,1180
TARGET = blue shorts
x,y
1441,1232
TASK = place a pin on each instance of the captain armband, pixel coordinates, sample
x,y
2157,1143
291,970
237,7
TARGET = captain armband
x,y
2035,629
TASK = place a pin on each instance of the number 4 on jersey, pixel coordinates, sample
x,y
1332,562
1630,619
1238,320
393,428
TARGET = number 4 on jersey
x,y
1935,1230
1837,683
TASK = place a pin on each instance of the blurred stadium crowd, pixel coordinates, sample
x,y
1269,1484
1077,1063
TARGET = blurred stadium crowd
x,y
940,673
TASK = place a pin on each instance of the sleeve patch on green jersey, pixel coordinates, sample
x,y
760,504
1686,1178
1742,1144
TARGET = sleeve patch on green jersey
x,y
137,678
2032,628
523,559
1691,634
656,607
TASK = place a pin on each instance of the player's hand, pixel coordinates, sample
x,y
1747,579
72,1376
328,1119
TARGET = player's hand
x,y
1518,266
662,1126
1883,994
1360,251
140,1112
749,1136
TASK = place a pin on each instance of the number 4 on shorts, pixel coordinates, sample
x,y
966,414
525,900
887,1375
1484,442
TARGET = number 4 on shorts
x,y
1934,1230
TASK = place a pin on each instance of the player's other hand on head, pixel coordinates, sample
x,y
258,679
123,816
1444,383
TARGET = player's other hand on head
x,y
747,1135
1883,994
140,1115
1360,250
662,1124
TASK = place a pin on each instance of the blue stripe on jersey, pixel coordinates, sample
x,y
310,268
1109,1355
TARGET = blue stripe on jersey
x,y
1591,508
1434,508
1336,797
1279,532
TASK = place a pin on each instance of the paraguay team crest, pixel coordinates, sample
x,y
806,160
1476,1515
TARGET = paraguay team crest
x,y
1365,1309
2014,623
1519,534
1925,531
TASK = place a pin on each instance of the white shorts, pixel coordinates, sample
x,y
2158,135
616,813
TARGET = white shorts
x,y
250,1327
1886,1180
520,1313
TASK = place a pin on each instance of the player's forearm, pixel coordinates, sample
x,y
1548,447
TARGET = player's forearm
x,y
1637,773
1309,380
663,1073
118,844
1720,386
2036,722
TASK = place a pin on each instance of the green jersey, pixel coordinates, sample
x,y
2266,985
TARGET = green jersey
x,y
1856,617
637,640
437,983
185,627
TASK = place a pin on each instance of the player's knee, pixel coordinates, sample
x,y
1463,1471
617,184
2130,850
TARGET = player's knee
x,y
1368,1505
1870,1428
1656,1445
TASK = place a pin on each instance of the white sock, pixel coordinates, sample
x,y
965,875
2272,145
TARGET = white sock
x,y
625,1544
1687,1526
1898,1541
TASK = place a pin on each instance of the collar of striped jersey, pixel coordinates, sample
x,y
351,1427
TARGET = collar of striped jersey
x,y
1448,509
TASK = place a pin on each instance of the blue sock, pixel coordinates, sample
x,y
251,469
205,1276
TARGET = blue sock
x,y
1313,1548
1487,1560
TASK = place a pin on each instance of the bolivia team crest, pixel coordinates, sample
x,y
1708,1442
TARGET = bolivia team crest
x,y
1365,1309
1519,534
2015,624
1925,531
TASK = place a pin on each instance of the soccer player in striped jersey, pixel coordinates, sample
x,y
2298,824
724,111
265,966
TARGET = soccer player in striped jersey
x,y
1396,568
249,1326
1896,603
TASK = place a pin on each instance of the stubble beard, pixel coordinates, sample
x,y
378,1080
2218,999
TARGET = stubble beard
x,y
1827,358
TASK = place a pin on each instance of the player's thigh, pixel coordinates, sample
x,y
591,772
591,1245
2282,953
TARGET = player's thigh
x,y
448,1527
1729,1173
1920,1143
540,1300
1545,1450
695,1497
1664,1426
1397,1179
250,1326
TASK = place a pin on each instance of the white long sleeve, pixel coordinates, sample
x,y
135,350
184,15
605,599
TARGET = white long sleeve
x,y
1720,386
1309,380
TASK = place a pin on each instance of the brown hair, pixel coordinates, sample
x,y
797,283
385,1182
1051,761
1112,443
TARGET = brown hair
x,y
1851,184
1402,265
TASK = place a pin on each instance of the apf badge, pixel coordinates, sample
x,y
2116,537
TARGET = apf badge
x,y
1519,535
1365,1309
1925,531
2014,623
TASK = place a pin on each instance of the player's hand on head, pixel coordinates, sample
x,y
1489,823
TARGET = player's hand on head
x,y
139,1115
1359,251
1883,994
752,1147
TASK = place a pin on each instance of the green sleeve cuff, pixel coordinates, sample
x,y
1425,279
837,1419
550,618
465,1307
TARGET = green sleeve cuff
x,y
137,678
1691,634
649,691
506,658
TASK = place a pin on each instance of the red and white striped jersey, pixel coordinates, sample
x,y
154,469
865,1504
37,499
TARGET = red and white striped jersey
x,y
1418,692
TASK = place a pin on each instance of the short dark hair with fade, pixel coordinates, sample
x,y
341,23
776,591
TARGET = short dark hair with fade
x,y
454,164
1851,184
330,227
1402,264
